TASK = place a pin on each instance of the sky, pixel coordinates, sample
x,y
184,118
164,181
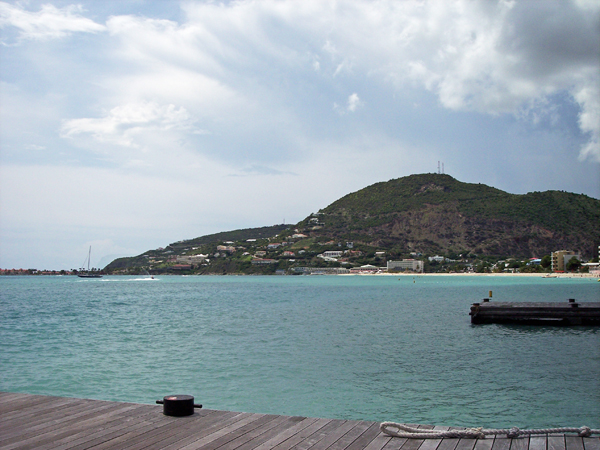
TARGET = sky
x,y
128,125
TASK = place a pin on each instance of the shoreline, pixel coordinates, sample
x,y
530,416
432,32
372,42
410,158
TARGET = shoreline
x,y
381,274
538,275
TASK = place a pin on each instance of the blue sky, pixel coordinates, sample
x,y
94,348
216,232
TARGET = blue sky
x,y
127,125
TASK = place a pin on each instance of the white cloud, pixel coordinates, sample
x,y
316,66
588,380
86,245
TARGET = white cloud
x,y
234,99
353,102
226,61
588,96
48,23
122,124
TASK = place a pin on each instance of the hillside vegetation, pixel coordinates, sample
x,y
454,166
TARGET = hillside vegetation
x,y
436,213
411,217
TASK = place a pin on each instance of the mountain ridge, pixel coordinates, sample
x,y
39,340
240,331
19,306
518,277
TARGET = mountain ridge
x,y
422,214
449,210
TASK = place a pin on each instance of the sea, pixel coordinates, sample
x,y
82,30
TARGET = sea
x,y
381,348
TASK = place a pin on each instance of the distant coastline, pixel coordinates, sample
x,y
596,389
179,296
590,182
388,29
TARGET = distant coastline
x,y
592,275
532,274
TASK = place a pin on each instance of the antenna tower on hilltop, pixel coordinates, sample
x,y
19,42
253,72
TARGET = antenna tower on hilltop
x,y
442,169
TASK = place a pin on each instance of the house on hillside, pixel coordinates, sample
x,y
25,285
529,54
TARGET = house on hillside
x,y
191,259
260,261
333,253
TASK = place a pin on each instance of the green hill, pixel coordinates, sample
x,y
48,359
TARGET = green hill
x,y
432,213
195,246
424,215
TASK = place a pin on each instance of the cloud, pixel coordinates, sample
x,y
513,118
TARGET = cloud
x,y
353,102
122,124
495,58
588,96
257,169
235,65
48,23
198,116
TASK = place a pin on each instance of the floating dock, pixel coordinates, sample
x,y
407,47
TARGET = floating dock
x,y
42,422
570,312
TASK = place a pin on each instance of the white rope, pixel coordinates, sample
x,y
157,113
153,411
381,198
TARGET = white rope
x,y
404,431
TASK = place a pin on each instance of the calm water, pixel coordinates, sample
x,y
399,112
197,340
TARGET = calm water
x,y
377,348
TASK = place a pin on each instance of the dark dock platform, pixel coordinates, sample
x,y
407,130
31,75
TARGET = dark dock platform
x,y
42,422
569,312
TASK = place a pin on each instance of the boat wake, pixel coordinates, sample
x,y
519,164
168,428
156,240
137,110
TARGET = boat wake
x,y
113,280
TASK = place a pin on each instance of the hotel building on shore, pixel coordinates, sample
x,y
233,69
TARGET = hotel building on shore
x,y
413,265
560,259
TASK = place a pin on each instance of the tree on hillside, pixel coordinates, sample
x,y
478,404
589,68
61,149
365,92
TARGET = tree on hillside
x,y
546,261
573,264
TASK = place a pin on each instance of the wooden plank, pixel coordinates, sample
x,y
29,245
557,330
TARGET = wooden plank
x,y
52,413
199,432
559,313
466,444
556,442
99,437
335,434
36,429
273,433
573,442
39,412
104,431
216,433
432,444
174,436
501,442
61,423
324,432
129,437
395,443
538,442
63,427
365,438
268,424
591,443
304,434
450,443
14,402
241,421
484,444
273,440
520,443
179,426
414,444
354,433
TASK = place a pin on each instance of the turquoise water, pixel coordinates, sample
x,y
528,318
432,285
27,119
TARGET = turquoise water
x,y
352,347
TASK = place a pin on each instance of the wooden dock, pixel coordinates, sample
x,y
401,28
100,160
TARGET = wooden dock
x,y
42,422
570,312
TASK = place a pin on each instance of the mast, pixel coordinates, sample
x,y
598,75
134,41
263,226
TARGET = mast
x,y
89,257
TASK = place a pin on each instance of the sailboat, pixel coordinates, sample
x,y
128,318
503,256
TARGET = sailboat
x,y
86,273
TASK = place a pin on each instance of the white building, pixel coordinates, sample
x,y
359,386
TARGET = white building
x,y
437,258
191,259
413,265
561,258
